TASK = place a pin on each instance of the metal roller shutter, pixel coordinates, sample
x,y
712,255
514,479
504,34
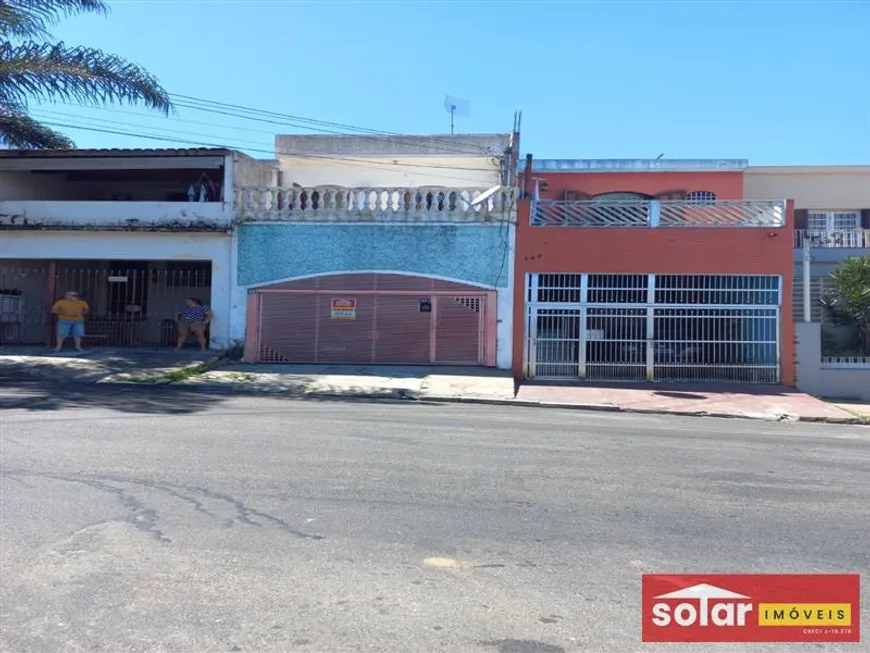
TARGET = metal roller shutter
x,y
403,326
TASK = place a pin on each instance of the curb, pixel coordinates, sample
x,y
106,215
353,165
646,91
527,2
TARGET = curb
x,y
159,379
405,395
611,408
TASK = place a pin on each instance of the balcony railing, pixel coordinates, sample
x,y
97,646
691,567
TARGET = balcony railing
x,y
113,216
336,204
833,238
658,213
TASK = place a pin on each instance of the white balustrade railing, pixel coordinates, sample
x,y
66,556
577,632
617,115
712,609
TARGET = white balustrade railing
x,y
338,204
833,238
846,362
658,213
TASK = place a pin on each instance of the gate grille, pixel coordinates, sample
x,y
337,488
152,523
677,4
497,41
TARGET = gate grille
x,y
132,303
385,328
638,327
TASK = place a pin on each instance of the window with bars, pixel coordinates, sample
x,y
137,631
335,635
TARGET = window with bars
x,y
833,220
701,197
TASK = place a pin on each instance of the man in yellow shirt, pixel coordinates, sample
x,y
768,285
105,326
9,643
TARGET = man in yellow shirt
x,y
70,313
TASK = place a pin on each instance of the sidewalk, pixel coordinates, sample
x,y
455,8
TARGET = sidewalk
x,y
194,369
372,381
770,402
98,365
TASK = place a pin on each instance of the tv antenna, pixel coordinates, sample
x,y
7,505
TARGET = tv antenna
x,y
455,107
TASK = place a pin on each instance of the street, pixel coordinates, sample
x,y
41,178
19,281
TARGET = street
x,y
163,520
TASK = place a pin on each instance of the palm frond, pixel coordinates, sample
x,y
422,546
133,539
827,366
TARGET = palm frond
x,y
32,18
86,75
23,132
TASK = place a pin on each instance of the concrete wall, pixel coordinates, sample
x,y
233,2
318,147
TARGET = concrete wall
x,y
26,246
830,187
477,254
390,172
439,160
251,172
831,383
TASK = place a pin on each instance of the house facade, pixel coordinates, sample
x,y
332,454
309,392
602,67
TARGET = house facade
x,y
651,270
832,223
381,249
135,232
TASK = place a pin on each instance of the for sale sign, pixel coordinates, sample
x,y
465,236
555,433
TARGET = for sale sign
x,y
751,608
342,308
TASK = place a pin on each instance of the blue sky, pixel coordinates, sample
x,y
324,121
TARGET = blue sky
x,y
778,83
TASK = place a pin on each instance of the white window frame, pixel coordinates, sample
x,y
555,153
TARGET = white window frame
x,y
830,218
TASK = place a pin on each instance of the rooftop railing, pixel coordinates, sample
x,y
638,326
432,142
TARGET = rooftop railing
x,y
337,204
659,213
833,238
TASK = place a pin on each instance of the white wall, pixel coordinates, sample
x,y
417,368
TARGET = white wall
x,y
390,171
112,213
137,246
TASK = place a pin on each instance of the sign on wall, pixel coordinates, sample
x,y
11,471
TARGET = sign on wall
x,y
343,309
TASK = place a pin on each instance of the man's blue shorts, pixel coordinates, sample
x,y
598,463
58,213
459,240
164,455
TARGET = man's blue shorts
x,y
74,329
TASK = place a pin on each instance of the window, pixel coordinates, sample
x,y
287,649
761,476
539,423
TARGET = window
x,y
701,197
833,220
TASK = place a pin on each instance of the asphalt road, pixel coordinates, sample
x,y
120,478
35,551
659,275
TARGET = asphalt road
x,y
152,520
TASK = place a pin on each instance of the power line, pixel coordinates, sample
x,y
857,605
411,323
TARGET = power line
x,y
53,115
204,144
443,143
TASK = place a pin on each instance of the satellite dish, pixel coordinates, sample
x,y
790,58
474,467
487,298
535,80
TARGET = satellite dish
x,y
455,107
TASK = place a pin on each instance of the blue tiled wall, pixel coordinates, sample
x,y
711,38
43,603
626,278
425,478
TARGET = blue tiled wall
x,y
476,254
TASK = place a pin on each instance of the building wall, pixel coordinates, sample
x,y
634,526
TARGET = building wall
x,y
648,250
726,185
464,160
829,383
379,172
28,246
832,187
251,172
476,254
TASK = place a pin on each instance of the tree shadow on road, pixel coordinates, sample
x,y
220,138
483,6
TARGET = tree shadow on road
x,y
146,399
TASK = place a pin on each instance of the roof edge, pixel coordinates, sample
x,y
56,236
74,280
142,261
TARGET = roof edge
x,y
639,165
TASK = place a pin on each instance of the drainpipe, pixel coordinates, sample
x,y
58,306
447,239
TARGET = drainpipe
x,y
808,313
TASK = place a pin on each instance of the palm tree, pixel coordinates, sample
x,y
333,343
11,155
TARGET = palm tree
x,y
33,68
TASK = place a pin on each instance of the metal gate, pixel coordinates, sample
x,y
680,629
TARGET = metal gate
x,y
645,327
132,303
373,327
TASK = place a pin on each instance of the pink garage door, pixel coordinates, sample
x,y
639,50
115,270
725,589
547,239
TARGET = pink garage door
x,y
374,319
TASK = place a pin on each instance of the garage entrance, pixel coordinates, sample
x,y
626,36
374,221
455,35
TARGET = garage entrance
x,y
381,319
664,327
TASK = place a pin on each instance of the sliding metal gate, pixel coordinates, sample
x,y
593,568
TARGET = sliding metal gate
x,y
645,327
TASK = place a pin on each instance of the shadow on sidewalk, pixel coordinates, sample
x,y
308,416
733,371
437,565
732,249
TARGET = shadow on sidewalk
x,y
146,399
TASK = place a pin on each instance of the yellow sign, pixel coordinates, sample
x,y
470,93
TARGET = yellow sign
x,y
804,614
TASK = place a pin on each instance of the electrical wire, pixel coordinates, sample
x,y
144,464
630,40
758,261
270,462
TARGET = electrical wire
x,y
434,142
176,140
496,161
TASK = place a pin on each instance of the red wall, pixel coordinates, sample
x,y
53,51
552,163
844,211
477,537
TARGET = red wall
x,y
726,185
651,250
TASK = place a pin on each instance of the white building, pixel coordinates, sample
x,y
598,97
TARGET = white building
x,y
134,231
